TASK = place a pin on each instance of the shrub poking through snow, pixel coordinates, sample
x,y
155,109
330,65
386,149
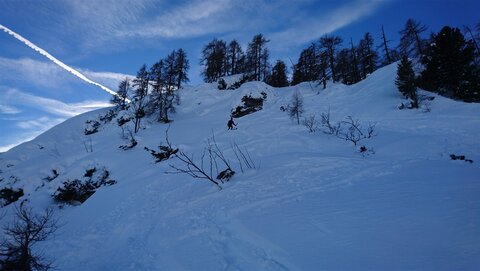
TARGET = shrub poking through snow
x,y
311,123
9,195
460,157
92,127
222,85
108,116
53,176
129,136
210,162
78,191
349,129
164,154
224,176
250,105
123,120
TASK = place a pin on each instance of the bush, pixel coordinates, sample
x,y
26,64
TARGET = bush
x,y
79,191
9,195
250,105
122,120
164,153
349,129
245,78
108,116
53,177
92,127
74,191
222,84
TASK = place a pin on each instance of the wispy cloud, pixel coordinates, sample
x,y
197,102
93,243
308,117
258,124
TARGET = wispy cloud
x,y
48,75
55,60
6,109
30,130
51,113
41,124
52,106
308,29
191,19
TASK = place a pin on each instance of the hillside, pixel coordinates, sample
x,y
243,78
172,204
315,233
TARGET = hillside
x,y
312,202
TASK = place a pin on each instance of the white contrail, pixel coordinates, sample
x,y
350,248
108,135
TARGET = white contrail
x,y
55,60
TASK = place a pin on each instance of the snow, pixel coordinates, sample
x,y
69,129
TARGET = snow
x,y
313,202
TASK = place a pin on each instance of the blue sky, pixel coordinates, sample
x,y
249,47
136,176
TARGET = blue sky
x,y
109,39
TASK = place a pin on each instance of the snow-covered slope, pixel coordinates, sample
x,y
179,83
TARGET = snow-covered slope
x,y
312,203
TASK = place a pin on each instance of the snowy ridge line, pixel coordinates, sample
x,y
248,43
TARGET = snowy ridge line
x,y
54,59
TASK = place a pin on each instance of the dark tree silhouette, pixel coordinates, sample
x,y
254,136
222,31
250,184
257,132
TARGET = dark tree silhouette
x,y
214,60
28,229
449,67
330,44
411,43
386,50
278,78
257,58
368,56
181,68
235,58
405,80
123,91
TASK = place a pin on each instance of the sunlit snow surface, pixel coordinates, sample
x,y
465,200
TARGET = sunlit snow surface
x,y
313,203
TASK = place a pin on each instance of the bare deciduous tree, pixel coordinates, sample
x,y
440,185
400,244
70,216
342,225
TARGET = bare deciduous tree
x,y
349,129
296,108
27,230
311,123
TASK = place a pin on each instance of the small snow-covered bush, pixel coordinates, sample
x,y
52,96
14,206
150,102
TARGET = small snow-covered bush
x,y
53,176
92,127
9,195
222,84
123,120
460,157
108,116
74,191
164,153
250,105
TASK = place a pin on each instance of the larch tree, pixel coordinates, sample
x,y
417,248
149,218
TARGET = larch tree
x,y
411,44
257,57
278,78
330,45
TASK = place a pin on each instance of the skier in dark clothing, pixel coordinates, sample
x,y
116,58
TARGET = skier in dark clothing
x,y
230,124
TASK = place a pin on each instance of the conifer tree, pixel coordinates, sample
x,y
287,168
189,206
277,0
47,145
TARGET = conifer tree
x,y
257,57
405,80
368,56
181,68
411,43
214,60
157,73
140,83
278,78
330,44
449,67
307,67
235,58
122,94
